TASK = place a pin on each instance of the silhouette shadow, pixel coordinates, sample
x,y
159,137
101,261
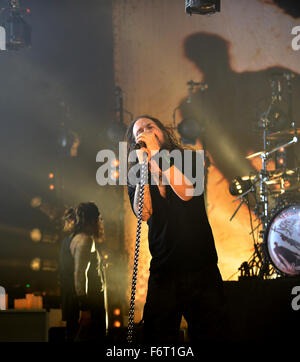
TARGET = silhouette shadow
x,y
232,105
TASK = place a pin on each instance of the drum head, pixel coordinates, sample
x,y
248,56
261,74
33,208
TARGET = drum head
x,y
283,240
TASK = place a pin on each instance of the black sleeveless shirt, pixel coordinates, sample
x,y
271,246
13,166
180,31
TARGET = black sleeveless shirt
x,y
180,236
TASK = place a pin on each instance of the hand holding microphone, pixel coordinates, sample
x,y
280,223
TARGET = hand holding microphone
x,y
142,152
148,143
140,145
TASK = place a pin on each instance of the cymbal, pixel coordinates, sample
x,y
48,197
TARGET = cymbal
x,y
273,182
254,155
285,133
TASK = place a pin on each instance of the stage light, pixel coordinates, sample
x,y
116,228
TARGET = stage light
x,y
115,163
189,131
36,202
51,175
117,324
36,235
51,187
117,311
202,7
35,264
238,186
18,32
115,175
116,132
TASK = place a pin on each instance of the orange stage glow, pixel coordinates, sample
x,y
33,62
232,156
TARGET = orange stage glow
x,y
117,311
116,162
115,174
117,324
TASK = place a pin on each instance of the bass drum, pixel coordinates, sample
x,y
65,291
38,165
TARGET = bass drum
x,y
283,237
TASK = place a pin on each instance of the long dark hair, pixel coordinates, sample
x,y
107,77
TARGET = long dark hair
x,y
85,215
170,141
69,219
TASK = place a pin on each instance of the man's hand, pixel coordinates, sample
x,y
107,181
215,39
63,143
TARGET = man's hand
x,y
151,141
152,145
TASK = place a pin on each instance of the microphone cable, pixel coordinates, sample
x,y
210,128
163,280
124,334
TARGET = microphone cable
x,y
137,249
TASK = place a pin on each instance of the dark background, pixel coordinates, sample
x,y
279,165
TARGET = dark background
x,y
62,84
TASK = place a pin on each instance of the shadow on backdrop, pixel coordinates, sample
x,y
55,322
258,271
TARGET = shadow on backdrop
x,y
231,107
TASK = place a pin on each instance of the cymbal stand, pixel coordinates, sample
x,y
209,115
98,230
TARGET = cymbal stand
x,y
263,196
260,252
242,202
259,264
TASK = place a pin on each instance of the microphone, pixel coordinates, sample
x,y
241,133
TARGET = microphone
x,y
140,145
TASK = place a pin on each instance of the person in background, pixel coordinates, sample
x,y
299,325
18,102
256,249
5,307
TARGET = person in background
x,y
82,274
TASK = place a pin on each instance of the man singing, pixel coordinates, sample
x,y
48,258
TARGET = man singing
x,y
184,277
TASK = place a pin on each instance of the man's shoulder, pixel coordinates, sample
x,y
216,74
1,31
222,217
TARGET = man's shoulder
x,y
82,240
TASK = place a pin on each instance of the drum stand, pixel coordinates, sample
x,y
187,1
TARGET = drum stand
x,y
259,264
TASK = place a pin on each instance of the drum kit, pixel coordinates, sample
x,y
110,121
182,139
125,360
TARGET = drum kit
x,y
273,196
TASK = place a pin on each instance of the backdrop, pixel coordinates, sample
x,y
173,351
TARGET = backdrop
x,y
158,48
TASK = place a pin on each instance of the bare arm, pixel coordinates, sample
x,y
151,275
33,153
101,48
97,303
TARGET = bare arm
x,y
81,251
180,184
184,188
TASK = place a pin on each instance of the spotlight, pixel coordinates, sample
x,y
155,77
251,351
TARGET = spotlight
x,y
189,130
18,32
202,7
